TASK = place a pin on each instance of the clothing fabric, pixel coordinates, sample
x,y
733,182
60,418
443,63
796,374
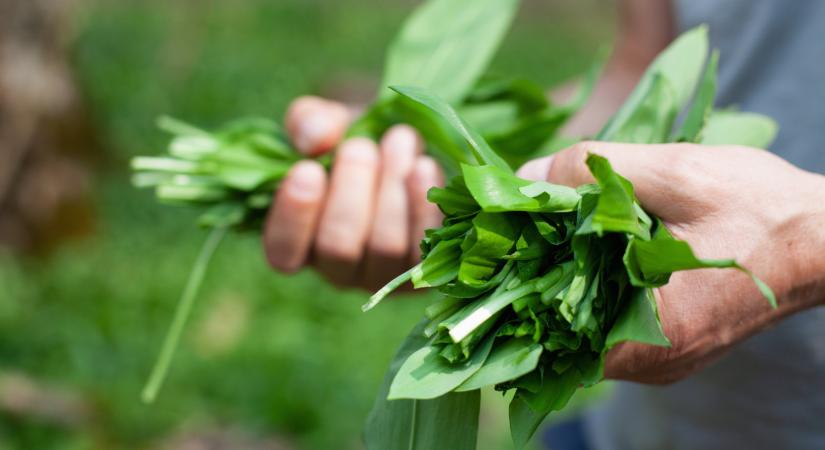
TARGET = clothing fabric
x,y
769,392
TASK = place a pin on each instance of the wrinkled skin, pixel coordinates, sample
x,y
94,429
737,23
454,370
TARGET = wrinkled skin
x,y
725,202
360,226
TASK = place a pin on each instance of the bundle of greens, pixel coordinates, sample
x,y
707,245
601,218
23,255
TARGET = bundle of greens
x,y
444,46
541,280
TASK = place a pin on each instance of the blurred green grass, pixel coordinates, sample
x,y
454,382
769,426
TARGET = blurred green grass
x,y
265,353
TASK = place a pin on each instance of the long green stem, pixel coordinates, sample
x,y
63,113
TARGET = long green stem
x,y
184,308
388,288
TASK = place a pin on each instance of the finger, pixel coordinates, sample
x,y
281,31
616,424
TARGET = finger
x,y
345,221
536,169
388,245
316,125
650,167
293,217
424,215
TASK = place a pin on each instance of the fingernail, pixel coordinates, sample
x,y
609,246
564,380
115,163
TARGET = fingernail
x,y
312,131
306,181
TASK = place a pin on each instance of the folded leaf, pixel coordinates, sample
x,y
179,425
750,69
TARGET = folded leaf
x,y
498,190
507,361
425,374
450,420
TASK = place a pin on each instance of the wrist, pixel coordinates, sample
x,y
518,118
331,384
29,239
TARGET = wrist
x,y
803,243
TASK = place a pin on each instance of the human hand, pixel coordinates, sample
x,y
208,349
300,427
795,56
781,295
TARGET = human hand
x,y
360,225
725,202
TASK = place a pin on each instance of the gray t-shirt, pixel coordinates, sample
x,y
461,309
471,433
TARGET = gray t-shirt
x,y
769,392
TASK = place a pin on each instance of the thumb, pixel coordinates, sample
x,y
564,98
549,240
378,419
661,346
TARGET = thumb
x,y
316,125
647,166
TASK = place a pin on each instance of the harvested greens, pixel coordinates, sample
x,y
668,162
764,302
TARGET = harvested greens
x,y
541,280
444,46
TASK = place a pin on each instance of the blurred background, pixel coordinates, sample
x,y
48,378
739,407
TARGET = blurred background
x,y
90,268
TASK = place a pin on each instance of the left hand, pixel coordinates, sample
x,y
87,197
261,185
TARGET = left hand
x,y
725,202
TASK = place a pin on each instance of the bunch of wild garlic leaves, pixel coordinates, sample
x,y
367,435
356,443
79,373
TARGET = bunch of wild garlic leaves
x,y
444,46
541,280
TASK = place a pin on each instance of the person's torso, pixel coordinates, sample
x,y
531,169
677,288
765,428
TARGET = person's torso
x,y
769,392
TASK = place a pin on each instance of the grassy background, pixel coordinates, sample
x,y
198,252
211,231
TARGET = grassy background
x,y
281,362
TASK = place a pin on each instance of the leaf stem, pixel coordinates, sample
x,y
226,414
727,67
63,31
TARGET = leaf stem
x,y
388,288
182,312
413,424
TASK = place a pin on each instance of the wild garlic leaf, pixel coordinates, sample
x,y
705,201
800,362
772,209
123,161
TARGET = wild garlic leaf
x,y
441,265
680,64
498,190
425,374
638,321
651,262
491,238
615,209
450,420
652,119
454,198
445,45
507,361
700,110
528,410
482,151
739,128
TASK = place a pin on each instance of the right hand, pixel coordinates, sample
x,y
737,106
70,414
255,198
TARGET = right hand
x,y
360,225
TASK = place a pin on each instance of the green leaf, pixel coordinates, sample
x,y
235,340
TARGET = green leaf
x,y
697,115
454,198
679,66
528,410
652,119
445,45
638,321
491,238
615,210
650,263
482,151
426,374
739,128
498,190
506,362
440,266
450,420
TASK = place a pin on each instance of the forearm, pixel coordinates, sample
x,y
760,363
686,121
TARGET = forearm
x,y
644,28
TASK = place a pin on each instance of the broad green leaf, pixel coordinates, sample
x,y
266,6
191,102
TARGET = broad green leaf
x,y
450,420
638,321
498,190
680,64
739,128
425,374
697,115
454,198
482,151
507,361
615,209
528,410
445,45
652,119
651,262
492,237
440,266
